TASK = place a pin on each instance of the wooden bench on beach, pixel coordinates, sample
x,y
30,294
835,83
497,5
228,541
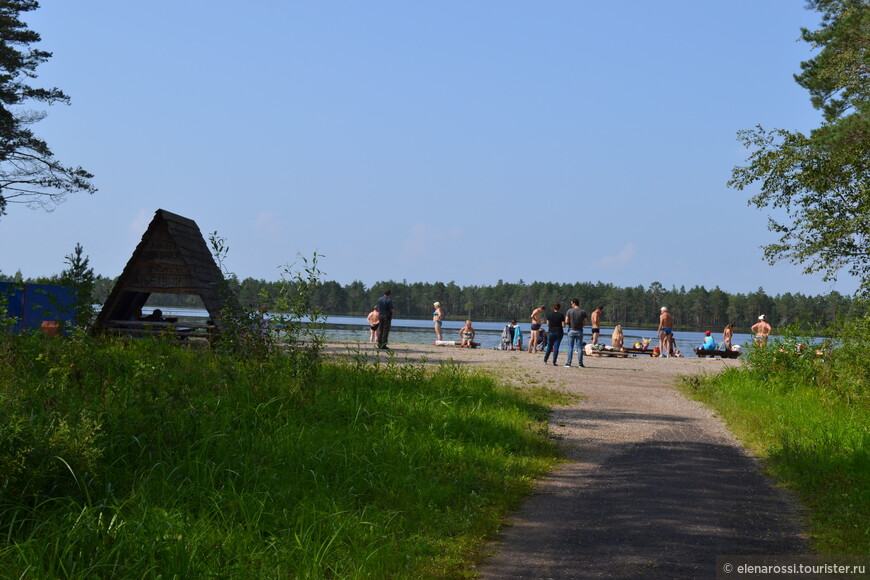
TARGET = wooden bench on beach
x,y
167,327
621,353
701,353
454,343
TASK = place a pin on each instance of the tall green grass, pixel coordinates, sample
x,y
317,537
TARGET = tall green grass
x,y
140,459
807,413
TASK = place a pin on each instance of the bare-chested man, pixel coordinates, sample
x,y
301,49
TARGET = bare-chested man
x,y
666,331
761,329
596,326
536,328
372,319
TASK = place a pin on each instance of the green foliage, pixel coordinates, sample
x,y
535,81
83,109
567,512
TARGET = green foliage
x,y
821,180
838,368
80,275
297,323
297,317
806,409
837,78
29,173
152,460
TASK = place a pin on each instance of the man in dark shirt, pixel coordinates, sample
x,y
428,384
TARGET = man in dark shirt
x,y
576,319
555,322
385,318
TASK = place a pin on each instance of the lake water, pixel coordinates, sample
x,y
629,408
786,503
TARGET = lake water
x,y
488,334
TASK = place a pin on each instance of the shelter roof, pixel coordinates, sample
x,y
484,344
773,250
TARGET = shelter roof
x,y
171,258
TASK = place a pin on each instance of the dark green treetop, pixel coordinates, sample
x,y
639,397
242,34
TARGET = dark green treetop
x,y
29,173
822,180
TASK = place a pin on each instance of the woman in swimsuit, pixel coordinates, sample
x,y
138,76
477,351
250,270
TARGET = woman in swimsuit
x,y
727,334
437,318
617,338
467,335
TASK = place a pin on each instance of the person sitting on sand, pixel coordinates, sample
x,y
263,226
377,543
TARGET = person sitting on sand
x,y
467,335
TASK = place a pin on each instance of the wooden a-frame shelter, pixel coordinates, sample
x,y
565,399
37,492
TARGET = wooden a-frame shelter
x,y
172,258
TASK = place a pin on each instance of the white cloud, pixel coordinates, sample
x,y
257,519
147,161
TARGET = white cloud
x,y
624,257
269,222
427,242
139,224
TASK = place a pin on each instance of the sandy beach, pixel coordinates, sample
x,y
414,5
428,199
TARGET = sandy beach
x,y
655,485
521,368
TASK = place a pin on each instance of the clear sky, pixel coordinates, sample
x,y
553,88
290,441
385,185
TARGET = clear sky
x,y
469,141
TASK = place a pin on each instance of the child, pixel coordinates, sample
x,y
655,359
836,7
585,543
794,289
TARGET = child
x,y
518,337
467,335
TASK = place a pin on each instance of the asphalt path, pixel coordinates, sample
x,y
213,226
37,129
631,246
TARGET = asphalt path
x,y
655,485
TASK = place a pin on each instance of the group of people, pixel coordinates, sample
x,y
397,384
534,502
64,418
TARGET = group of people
x,y
760,329
550,340
557,323
380,321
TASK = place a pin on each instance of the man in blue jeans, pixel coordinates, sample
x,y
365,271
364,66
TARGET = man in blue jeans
x,y
576,318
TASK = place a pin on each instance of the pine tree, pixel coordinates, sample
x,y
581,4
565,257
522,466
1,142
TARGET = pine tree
x,y
29,173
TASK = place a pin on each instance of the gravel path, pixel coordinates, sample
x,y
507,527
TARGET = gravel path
x,y
655,485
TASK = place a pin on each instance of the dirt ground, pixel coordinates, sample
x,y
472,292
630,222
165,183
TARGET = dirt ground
x,y
655,485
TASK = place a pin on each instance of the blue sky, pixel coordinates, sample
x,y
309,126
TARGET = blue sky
x,y
467,141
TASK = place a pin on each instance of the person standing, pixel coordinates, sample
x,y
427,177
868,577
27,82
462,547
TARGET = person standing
x,y
372,319
438,318
555,324
666,331
385,318
576,318
535,329
517,343
727,334
761,329
596,324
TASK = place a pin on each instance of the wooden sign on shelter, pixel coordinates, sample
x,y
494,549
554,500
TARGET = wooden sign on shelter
x,y
172,258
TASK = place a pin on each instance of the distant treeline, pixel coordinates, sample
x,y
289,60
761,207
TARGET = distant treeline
x,y
696,308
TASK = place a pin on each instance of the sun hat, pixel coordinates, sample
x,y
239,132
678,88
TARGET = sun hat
x,y
762,317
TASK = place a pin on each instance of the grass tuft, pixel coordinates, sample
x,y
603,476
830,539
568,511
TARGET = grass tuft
x,y
142,459
808,417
